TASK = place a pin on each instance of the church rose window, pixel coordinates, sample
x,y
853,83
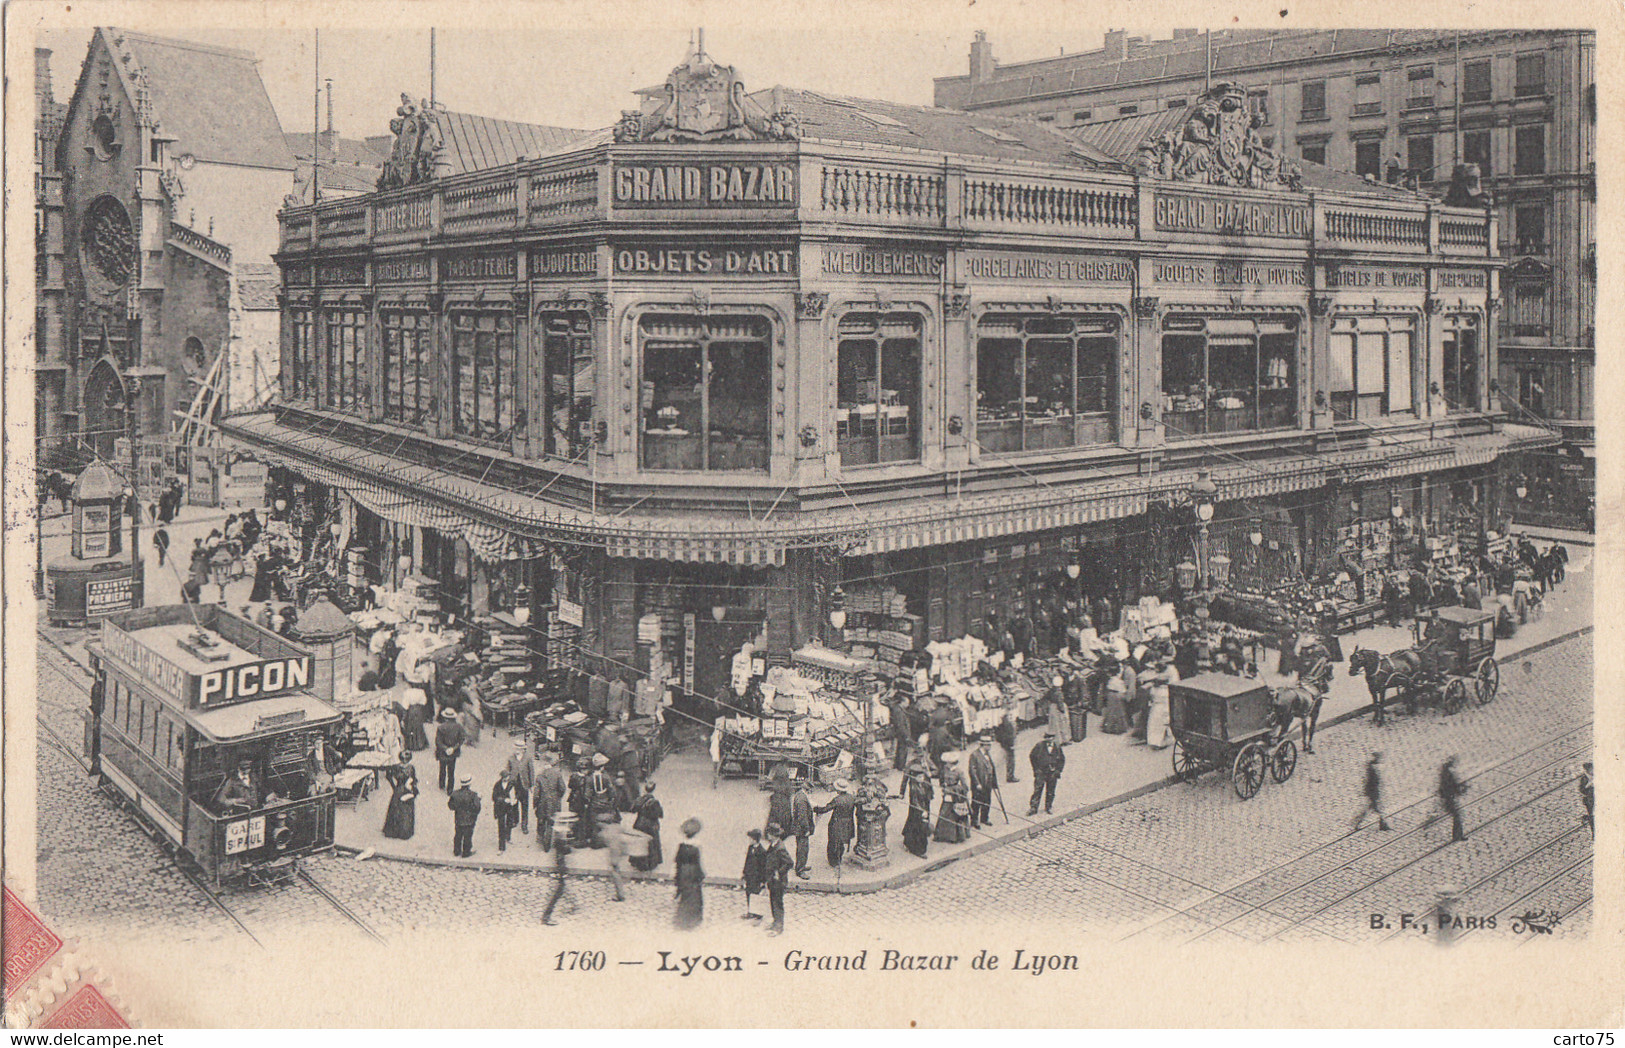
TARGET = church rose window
x,y
109,243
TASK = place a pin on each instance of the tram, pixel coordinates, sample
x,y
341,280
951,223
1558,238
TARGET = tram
x,y
203,722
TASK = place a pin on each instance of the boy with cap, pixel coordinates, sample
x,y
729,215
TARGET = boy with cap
x,y
465,811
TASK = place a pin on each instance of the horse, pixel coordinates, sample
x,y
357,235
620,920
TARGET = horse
x,y
1297,703
1384,673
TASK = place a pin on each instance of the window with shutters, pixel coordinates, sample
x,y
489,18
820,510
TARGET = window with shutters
x,y
1529,310
1419,80
1367,95
877,399
569,375
1475,149
1045,381
483,375
1475,81
408,365
1228,375
1531,76
706,392
1313,100
1530,148
1371,367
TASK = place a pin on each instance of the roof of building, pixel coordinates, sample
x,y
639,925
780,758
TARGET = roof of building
x,y
474,143
1121,138
1233,50
257,285
867,121
337,149
210,100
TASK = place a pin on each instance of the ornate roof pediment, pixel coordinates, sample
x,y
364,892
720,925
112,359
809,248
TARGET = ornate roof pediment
x,y
1218,145
702,101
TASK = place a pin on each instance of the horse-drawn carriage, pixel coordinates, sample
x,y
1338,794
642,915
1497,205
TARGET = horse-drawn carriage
x,y
1453,659
1221,721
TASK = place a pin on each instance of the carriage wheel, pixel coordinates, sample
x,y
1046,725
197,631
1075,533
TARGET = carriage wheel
x,y
1186,764
1455,695
1247,773
1283,760
1488,682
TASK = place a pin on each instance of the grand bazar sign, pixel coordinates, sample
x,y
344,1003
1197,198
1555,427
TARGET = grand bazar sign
x,y
705,185
1186,213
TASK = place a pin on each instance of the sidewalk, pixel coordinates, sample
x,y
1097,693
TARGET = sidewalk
x,y
1101,771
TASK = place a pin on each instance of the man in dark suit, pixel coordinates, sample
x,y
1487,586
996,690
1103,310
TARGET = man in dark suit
x,y
1048,760
448,744
778,876
548,795
465,811
843,826
983,779
802,823
1450,790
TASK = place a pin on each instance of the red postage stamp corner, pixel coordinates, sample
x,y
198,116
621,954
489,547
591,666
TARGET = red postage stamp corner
x,y
85,1009
26,943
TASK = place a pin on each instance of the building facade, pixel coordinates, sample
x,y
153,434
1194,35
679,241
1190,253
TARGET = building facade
x,y
751,351
1520,104
153,208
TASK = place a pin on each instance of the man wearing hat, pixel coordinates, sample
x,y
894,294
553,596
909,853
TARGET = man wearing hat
x,y
600,790
548,793
505,806
778,876
465,811
802,822
843,824
448,744
523,772
1048,760
984,779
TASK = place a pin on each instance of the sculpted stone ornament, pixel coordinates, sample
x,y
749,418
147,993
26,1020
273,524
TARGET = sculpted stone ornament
x,y
702,101
1218,145
420,143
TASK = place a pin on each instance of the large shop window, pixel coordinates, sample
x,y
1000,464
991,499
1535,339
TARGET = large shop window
x,y
877,415
567,388
302,354
1045,381
346,358
706,392
1228,375
1461,367
408,365
482,375
1372,360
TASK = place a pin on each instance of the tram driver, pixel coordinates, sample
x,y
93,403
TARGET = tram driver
x,y
238,792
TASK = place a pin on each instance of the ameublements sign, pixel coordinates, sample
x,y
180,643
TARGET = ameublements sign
x,y
705,185
881,262
1183,213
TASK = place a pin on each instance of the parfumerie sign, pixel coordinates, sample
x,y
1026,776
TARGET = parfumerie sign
x,y
709,260
1179,213
705,185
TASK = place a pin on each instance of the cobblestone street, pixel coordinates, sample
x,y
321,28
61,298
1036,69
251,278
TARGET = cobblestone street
x,y
1179,863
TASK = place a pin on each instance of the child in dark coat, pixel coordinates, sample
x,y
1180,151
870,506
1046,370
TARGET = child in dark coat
x,y
755,875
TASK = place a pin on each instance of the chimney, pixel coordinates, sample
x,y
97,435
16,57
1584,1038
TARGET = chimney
x,y
1184,34
982,62
1116,44
42,76
329,141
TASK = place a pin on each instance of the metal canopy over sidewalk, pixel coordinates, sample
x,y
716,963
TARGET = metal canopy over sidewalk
x,y
500,524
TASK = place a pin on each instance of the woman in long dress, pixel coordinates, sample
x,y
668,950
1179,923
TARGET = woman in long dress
x,y
690,879
1115,721
953,819
917,830
401,821
1157,734
649,813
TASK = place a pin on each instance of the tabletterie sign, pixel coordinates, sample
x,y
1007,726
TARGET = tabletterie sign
x,y
499,266
1049,269
705,185
709,260
881,262
1189,213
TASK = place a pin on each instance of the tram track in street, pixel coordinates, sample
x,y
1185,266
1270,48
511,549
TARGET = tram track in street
x,y
1237,893
1568,873
302,880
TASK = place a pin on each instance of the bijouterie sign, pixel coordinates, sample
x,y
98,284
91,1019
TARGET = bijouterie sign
x,y
705,185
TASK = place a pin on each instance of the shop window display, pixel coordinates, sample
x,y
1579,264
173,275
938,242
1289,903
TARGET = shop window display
x,y
1045,381
1228,375
1461,371
482,375
877,415
346,350
1371,362
570,375
706,393
408,365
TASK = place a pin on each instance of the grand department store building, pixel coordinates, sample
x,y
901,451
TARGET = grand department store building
x,y
694,373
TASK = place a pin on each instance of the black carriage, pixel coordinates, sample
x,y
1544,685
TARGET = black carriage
x,y
1454,658
1225,722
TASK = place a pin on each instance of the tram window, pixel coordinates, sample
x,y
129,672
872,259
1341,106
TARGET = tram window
x,y
177,746
115,699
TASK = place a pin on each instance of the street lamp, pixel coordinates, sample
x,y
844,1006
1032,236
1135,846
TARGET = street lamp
x,y
1398,511
837,608
1203,493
